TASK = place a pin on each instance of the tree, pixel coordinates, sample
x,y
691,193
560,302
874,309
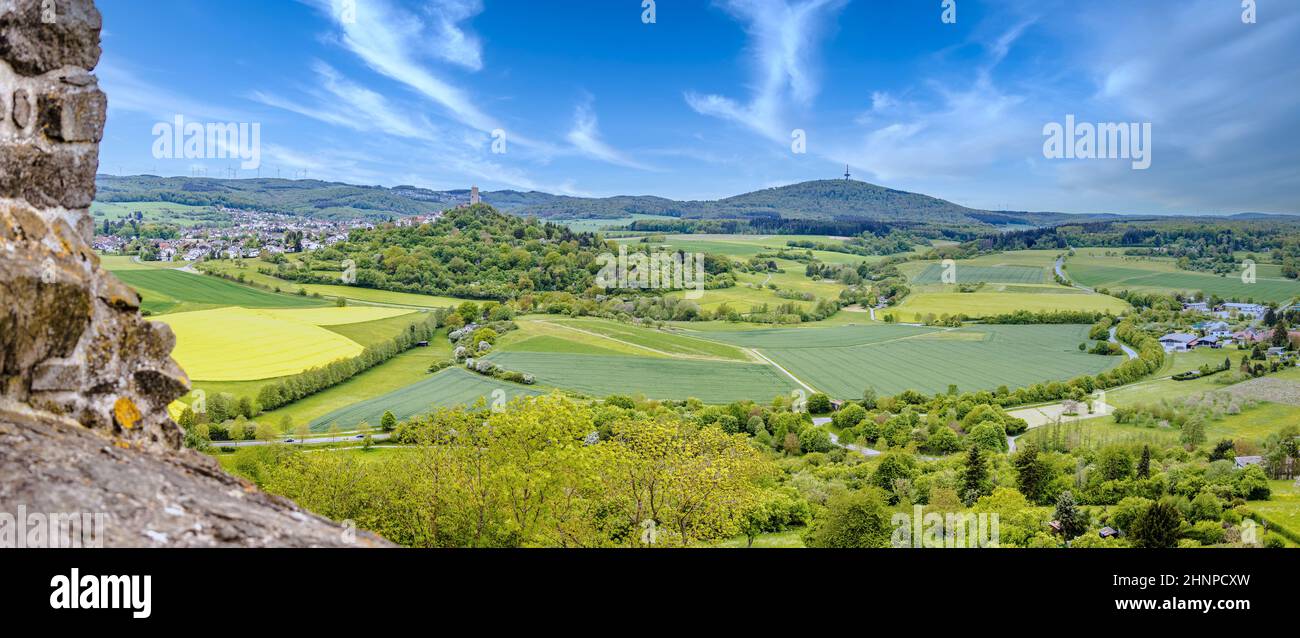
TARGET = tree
x,y
815,439
302,430
1157,526
893,467
1144,463
975,476
989,435
1031,473
1193,433
869,398
1114,463
853,519
239,429
286,425
1073,521
819,403
388,422
187,418
265,432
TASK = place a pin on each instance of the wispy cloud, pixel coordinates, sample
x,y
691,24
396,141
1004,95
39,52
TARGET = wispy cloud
x,y
585,136
783,40
390,40
341,102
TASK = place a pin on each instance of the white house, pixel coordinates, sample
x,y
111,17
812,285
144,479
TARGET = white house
x,y
1199,306
1252,310
1177,342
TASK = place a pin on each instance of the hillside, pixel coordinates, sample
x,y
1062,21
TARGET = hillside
x,y
822,200
311,198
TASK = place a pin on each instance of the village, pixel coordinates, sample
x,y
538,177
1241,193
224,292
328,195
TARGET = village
x,y
1245,325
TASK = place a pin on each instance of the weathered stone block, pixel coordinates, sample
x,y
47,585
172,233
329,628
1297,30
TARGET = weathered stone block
x,y
72,116
35,42
63,177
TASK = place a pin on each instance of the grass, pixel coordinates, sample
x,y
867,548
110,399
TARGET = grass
x,y
844,361
985,304
248,268
791,538
1092,267
933,274
164,290
655,340
448,388
240,344
369,333
817,337
179,214
601,376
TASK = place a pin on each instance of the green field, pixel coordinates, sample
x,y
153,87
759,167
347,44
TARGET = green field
x,y
984,304
843,361
166,212
448,388
600,376
248,268
1091,267
816,337
933,274
164,290
655,340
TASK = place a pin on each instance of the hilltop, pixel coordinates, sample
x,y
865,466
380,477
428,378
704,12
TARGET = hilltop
x,y
822,200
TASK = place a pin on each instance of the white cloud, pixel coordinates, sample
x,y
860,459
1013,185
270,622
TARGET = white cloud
x,y
389,40
585,137
783,39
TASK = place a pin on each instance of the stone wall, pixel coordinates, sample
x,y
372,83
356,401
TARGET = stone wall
x,y
85,381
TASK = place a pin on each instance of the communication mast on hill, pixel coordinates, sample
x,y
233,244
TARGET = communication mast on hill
x,y
847,174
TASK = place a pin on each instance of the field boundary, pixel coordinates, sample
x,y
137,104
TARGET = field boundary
x,y
782,369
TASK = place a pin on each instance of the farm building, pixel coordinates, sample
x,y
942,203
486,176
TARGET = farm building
x,y
1207,342
1199,306
1243,461
1177,342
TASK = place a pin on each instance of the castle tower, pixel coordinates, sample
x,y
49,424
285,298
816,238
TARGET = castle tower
x,y
473,196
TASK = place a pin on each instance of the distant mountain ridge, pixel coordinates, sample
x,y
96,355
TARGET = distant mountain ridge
x,y
825,200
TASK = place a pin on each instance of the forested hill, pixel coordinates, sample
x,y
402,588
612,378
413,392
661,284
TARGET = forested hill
x,y
469,252
824,200
312,198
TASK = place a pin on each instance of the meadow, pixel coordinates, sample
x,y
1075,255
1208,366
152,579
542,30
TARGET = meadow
x,y
600,376
168,212
933,274
844,361
165,290
448,388
248,268
994,302
1092,267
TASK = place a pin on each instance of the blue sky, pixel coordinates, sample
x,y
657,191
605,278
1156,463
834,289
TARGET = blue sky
x,y
703,103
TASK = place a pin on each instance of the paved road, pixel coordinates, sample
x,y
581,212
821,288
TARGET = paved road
x,y
1060,271
1132,354
865,451
312,441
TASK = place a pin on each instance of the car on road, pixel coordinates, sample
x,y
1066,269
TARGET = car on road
x,y
290,441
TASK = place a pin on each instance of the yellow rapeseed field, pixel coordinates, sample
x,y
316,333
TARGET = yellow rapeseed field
x,y
241,344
